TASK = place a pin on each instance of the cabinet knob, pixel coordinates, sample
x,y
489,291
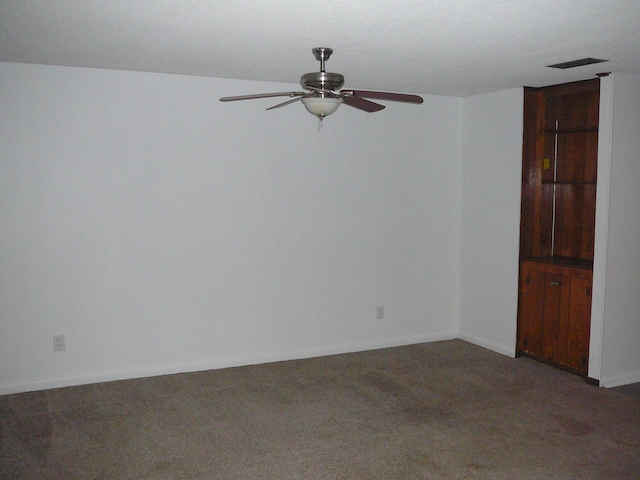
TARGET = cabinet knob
x,y
555,282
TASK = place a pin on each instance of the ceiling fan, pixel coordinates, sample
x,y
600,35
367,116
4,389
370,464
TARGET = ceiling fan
x,y
323,95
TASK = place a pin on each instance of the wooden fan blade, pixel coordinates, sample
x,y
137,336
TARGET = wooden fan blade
x,y
394,97
285,103
362,104
262,95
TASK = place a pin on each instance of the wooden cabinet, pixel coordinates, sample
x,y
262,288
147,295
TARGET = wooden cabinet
x,y
555,313
557,227
559,170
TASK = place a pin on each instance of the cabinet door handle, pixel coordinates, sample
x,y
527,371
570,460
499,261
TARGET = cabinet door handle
x,y
555,282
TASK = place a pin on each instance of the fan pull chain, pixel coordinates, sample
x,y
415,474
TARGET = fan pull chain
x,y
319,122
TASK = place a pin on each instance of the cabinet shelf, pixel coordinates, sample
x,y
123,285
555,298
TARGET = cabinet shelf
x,y
571,130
560,182
563,261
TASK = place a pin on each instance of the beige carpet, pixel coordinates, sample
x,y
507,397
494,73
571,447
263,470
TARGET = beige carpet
x,y
444,410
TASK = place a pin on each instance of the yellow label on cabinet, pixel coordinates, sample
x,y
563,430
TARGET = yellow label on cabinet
x,y
547,164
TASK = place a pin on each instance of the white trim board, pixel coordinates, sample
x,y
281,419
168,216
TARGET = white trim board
x,y
169,369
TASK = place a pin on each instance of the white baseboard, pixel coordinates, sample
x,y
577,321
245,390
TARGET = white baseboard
x,y
168,369
481,342
620,380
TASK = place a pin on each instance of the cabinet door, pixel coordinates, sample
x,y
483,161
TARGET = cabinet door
x,y
579,321
556,311
530,318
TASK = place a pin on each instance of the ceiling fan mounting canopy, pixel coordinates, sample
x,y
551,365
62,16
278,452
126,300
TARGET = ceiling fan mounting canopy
x,y
323,95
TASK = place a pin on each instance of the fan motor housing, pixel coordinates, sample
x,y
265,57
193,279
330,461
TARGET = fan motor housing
x,y
322,80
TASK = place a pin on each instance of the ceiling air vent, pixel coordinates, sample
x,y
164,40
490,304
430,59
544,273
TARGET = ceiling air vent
x,y
577,63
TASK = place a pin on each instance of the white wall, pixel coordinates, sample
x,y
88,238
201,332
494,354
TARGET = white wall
x,y
161,230
490,219
620,309
605,134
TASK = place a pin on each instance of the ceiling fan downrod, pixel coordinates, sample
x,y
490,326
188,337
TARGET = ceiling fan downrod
x,y
322,54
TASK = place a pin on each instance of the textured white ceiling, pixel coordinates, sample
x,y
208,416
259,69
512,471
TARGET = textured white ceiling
x,y
443,47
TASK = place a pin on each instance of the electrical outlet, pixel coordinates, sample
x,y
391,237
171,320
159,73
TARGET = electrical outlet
x,y
58,343
380,313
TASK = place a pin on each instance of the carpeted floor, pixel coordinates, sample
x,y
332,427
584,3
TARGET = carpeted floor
x,y
633,390
443,410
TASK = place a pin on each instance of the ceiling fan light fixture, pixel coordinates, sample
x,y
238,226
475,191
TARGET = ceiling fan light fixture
x,y
321,106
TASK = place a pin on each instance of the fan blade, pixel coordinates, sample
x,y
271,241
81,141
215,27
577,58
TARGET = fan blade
x,y
362,104
262,95
285,103
394,97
